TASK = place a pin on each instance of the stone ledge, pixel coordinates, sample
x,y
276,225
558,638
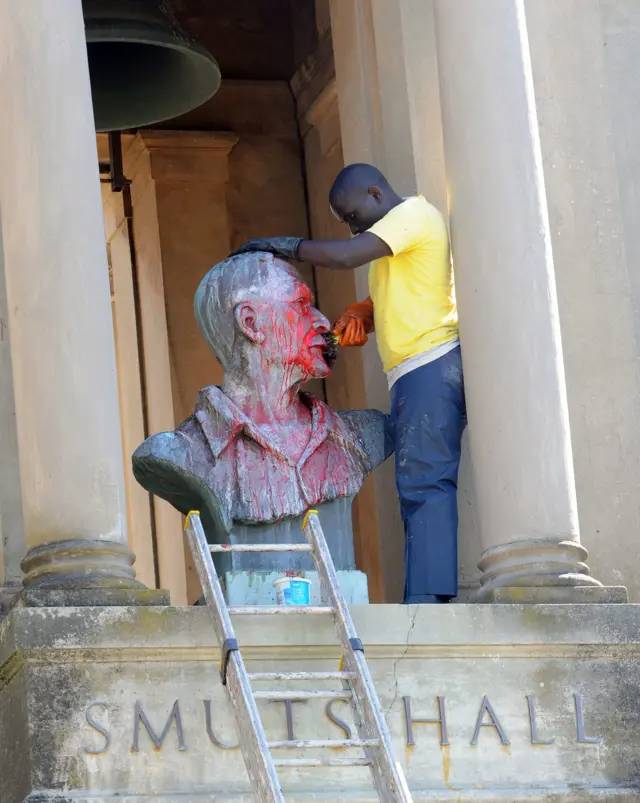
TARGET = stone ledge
x,y
555,595
91,597
383,627
548,794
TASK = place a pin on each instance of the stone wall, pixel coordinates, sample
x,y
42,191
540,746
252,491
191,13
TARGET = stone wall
x,y
533,703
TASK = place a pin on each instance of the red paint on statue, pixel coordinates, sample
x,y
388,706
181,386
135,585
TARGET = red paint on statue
x,y
265,450
289,332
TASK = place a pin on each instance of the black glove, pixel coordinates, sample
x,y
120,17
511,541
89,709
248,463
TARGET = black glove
x,y
285,247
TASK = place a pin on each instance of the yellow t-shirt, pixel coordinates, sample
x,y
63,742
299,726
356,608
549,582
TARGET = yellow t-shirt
x,y
412,291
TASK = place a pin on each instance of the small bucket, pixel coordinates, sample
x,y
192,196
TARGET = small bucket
x,y
293,590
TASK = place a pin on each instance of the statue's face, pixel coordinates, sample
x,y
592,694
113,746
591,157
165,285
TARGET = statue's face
x,y
292,327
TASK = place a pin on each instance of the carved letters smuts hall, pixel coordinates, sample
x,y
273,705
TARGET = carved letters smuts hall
x,y
145,734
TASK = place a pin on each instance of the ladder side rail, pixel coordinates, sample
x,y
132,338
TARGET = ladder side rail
x,y
208,576
253,741
251,736
388,775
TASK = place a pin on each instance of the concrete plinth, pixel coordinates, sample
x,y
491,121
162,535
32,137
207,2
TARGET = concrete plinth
x,y
256,588
485,703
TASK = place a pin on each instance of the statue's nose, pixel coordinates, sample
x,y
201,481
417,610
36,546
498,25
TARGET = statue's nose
x,y
321,324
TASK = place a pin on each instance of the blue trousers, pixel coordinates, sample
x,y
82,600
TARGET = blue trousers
x,y
428,417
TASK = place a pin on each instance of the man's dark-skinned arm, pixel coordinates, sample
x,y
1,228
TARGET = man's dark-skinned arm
x,y
343,254
340,254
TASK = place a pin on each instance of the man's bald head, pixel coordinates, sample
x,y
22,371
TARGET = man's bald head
x,y
361,195
357,178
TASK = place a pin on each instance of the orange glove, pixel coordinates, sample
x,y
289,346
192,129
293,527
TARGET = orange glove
x,y
355,324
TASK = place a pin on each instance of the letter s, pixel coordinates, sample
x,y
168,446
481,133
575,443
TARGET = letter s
x,y
102,730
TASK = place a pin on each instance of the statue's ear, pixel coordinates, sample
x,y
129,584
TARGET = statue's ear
x,y
247,321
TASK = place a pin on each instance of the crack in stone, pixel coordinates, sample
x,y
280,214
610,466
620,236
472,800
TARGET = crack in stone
x,y
412,623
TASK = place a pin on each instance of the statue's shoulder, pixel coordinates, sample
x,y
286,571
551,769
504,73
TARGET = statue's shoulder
x,y
181,466
371,431
175,466
177,448
197,443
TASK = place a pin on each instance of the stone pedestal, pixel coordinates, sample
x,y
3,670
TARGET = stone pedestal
x,y
508,704
256,588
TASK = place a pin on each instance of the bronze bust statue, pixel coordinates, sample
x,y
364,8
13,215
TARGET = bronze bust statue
x,y
258,452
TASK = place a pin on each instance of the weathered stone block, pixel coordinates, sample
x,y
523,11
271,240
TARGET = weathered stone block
x,y
89,597
485,703
555,595
256,588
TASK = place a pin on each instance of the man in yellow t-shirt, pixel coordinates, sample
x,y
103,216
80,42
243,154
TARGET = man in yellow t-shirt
x,y
412,310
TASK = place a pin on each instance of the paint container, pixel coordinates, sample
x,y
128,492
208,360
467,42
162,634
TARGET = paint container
x,y
292,590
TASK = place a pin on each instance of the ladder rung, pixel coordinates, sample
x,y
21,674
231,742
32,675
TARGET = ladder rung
x,y
322,762
259,548
255,676
283,610
343,694
303,744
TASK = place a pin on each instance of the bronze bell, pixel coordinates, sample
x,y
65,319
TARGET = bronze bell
x,y
144,68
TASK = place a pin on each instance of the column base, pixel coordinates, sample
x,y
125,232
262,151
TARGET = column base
x,y
549,595
89,597
542,570
79,563
80,572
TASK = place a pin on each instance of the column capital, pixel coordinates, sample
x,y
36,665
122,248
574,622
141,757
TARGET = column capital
x,y
179,156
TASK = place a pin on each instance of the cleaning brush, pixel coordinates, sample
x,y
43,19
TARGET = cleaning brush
x,y
331,348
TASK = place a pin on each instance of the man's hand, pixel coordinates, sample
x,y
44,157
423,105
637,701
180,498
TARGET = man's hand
x,y
285,247
355,324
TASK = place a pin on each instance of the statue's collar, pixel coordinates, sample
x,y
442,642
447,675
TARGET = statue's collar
x,y
222,421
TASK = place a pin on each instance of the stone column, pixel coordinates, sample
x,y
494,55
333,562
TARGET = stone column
x,y
389,101
180,222
12,546
514,373
363,141
585,114
67,422
345,387
129,370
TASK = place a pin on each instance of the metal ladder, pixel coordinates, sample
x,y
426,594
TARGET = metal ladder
x,y
357,685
